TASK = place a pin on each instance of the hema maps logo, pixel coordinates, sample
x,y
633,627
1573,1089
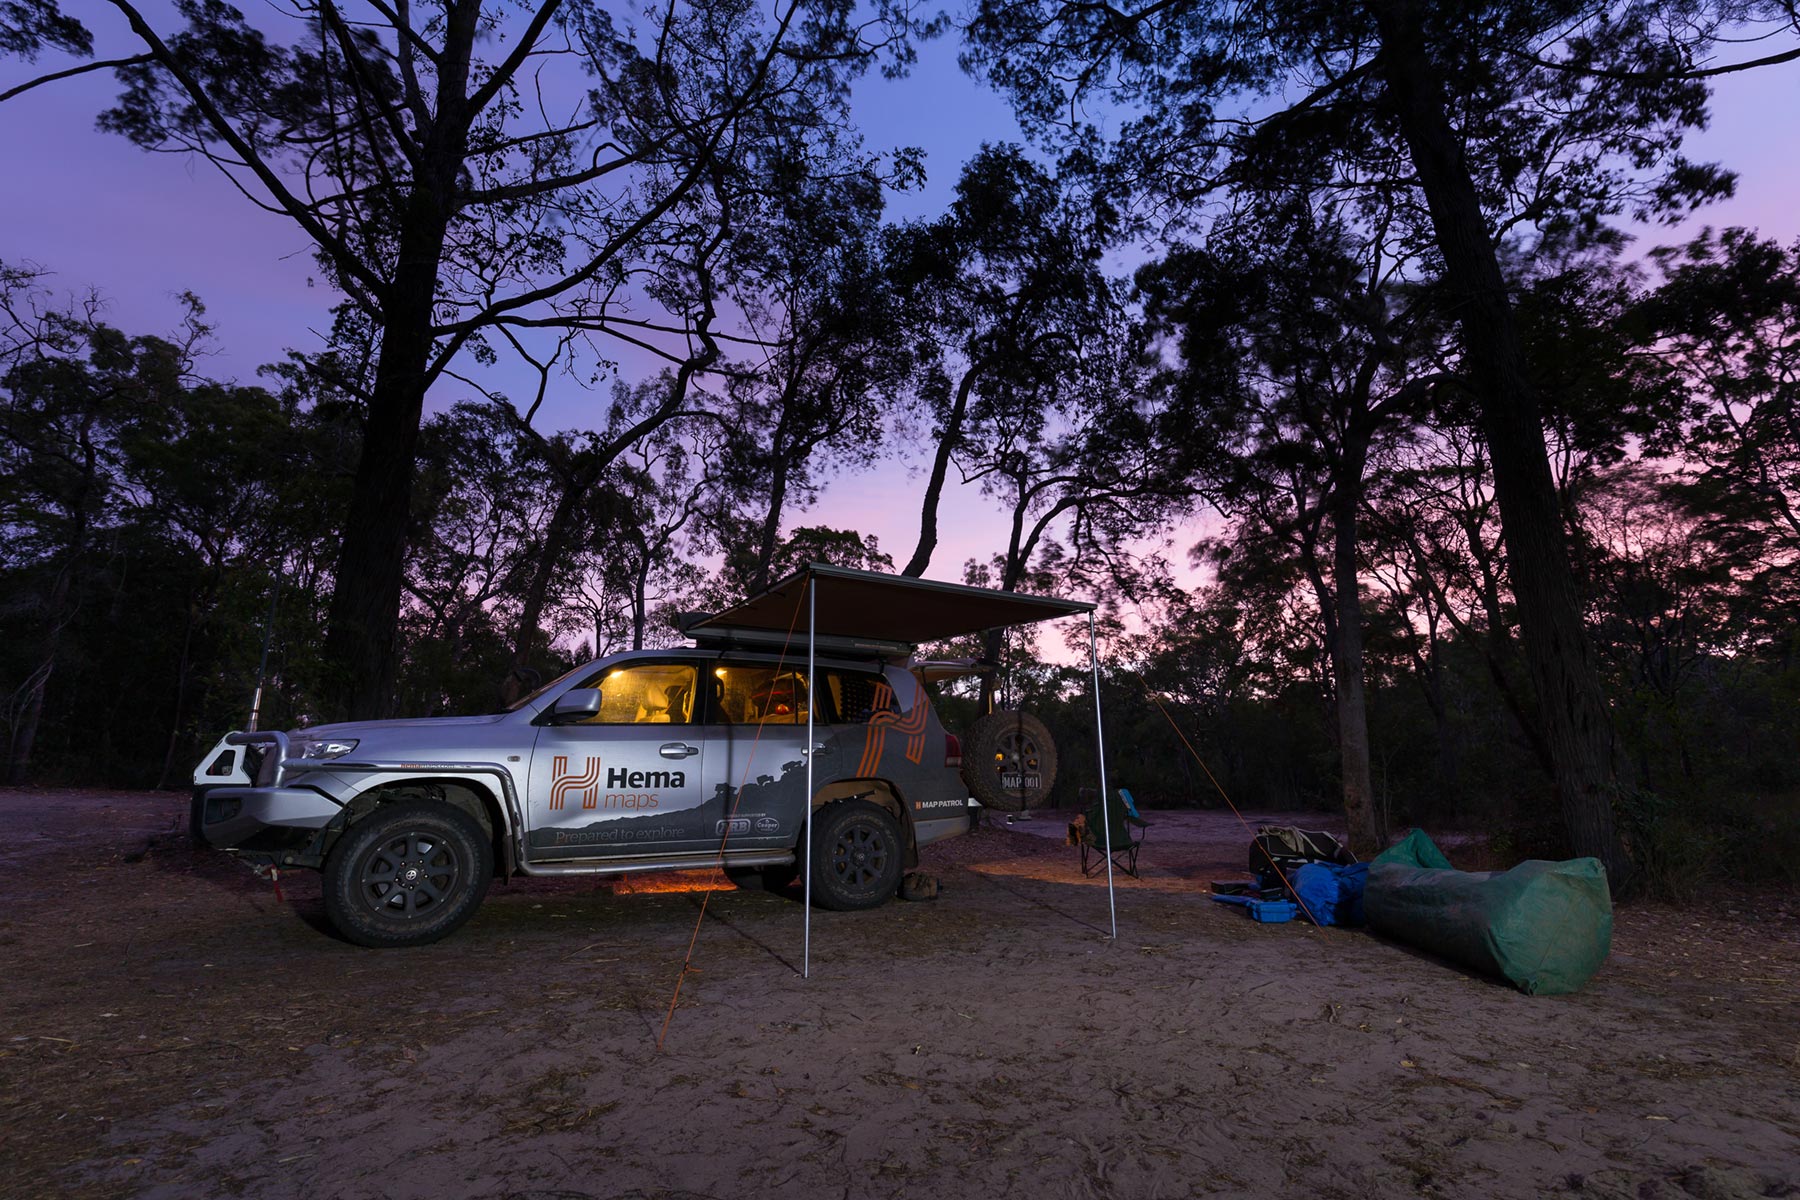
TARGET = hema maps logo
x,y
562,783
587,784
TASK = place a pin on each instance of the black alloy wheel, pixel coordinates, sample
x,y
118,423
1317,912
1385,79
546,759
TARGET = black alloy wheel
x,y
858,860
407,874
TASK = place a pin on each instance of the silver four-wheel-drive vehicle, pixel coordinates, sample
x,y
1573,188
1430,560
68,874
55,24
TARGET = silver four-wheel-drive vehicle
x,y
647,760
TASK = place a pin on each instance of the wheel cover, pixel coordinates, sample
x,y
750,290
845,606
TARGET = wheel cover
x,y
859,856
409,876
1017,757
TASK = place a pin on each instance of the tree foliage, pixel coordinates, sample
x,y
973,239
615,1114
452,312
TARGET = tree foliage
x,y
1496,521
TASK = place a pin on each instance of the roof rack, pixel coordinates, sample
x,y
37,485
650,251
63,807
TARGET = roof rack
x,y
729,637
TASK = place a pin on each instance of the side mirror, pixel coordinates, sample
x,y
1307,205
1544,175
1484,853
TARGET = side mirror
x,y
578,704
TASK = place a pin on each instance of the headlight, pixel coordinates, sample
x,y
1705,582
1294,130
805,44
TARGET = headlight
x,y
330,748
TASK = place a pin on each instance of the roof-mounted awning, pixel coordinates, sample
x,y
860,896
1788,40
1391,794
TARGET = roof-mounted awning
x,y
869,612
877,607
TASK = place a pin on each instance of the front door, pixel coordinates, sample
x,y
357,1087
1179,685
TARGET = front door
x,y
627,780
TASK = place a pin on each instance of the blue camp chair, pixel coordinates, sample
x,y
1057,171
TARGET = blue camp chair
x,y
1127,834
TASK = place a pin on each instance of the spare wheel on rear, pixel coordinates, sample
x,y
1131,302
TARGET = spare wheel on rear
x,y
1009,761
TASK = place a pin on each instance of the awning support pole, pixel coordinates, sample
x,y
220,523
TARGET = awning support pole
x,y
1112,907
806,844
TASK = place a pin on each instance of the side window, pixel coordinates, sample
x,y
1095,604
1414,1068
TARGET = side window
x,y
858,696
645,694
748,695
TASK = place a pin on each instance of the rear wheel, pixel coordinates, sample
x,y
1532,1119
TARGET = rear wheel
x,y
407,874
857,856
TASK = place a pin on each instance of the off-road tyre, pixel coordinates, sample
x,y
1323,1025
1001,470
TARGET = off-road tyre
x,y
858,857
407,874
1003,743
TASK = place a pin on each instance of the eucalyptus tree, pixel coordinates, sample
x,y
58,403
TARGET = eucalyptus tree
x,y
1724,323
1084,459
464,169
67,387
645,552
1004,289
132,487
483,497
1466,121
1300,357
581,466
817,394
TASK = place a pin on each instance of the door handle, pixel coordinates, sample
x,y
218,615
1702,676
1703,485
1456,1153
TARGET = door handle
x,y
817,747
678,750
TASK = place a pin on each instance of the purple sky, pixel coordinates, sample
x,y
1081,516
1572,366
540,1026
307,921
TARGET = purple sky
x,y
97,211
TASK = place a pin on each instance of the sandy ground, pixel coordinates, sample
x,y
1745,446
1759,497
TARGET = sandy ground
x,y
170,1028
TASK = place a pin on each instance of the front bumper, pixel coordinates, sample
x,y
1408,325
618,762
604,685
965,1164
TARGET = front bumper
x,y
261,819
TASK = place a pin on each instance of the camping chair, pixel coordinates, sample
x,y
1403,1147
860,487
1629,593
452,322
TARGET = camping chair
x,y
1127,834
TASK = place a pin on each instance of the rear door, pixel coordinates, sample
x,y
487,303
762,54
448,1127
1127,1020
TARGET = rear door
x,y
628,780
756,752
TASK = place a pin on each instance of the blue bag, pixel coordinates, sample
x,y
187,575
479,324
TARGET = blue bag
x,y
1332,894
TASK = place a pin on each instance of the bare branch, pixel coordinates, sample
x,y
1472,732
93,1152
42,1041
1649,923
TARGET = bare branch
x,y
84,68
350,267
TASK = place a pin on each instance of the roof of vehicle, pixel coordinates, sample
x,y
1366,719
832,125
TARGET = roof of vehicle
x,y
854,604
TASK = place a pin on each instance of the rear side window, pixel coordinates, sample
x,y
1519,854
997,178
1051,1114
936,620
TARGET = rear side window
x,y
751,695
859,695
644,694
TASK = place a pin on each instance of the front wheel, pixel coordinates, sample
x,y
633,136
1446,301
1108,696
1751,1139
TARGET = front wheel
x,y
407,874
857,860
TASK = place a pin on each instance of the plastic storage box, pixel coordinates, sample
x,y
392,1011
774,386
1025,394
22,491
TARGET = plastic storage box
x,y
1269,912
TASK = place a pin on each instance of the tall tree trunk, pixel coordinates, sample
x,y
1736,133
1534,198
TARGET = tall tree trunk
x,y
1574,712
640,590
1428,670
24,736
770,530
940,470
365,601
559,535
993,643
1347,655
181,690
31,714
363,623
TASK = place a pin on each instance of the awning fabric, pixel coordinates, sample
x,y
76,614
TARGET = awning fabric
x,y
871,604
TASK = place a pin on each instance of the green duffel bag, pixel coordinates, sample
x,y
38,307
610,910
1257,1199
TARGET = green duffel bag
x,y
1544,927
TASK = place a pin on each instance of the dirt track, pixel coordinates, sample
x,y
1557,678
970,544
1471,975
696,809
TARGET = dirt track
x,y
168,1028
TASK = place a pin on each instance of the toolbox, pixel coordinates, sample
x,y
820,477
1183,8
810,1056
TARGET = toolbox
x,y
1268,912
